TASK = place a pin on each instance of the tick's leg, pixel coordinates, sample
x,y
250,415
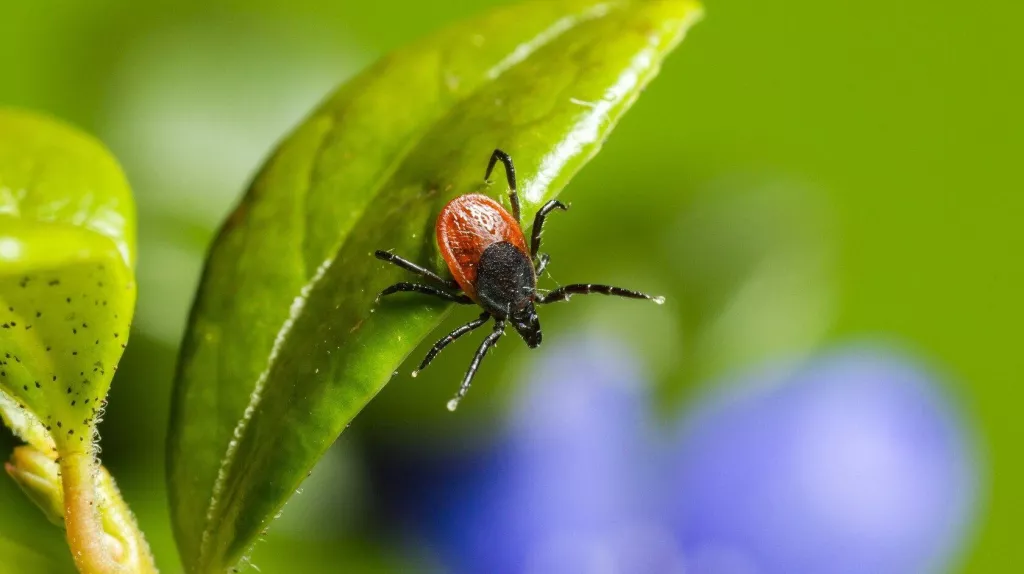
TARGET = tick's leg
x,y
563,293
410,266
499,330
542,263
538,223
426,289
510,175
450,338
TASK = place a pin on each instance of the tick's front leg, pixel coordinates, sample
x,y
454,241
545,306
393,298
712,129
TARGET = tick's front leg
x,y
412,267
426,290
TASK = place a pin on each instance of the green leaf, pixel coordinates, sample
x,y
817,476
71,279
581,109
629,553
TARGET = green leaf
x,y
284,347
39,478
67,288
67,295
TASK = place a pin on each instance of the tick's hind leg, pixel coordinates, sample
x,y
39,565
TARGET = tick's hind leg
x,y
410,266
450,338
427,290
563,293
499,330
510,175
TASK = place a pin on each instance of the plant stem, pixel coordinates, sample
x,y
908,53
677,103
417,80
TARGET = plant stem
x,y
93,550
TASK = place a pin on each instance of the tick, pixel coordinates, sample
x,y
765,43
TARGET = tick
x,y
491,265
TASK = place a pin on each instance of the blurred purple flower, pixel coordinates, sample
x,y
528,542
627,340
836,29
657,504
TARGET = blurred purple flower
x,y
851,463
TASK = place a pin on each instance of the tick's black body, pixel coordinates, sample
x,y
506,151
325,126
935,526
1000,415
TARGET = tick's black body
x,y
506,285
486,252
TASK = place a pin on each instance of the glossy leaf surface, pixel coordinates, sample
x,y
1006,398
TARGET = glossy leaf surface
x,y
285,345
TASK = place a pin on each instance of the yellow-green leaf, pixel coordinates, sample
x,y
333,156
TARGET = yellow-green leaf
x,y
67,287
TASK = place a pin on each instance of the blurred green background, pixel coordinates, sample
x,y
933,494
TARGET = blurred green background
x,y
801,172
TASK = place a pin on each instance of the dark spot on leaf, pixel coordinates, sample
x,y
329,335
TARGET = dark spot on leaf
x,y
69,299
72,403
24,387
84,325
71,431
59,424
39,314
54,282
74,352
69,390
38,386
55,377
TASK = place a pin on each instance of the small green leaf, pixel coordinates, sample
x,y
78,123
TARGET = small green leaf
x,y
38,476
67,288
284,345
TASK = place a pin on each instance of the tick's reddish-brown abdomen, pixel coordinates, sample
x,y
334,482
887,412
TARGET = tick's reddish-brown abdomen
x,y
467,226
